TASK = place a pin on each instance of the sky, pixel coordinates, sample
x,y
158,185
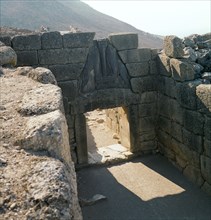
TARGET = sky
x,y
181,18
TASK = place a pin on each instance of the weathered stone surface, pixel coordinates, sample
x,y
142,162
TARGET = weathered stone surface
x,y
147,136
149,109
7,56
176,131
80,129
104,99
207,126
143,84
138,69
48,132
194,122
67,71
146,124
42,75
190,54
148,97
181,71
51,182
23,71
186,94
62,56
147,146
41,100
26,42
163,64
165,139
153,69
51,40
6,40
78,40
207,188
188,42
176,111
173,47
167,86
69,89
27,58
207,148
193,174
124,41
206,168
203,93
192,141
165,124
164,105
135,55
185,153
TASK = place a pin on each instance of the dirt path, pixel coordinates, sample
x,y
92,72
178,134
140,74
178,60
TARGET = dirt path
x,y
148,188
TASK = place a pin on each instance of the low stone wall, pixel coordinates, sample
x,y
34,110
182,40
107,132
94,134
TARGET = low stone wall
x,y
184,110
49,174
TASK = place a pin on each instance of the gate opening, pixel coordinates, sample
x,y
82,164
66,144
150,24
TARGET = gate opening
x,y
108,135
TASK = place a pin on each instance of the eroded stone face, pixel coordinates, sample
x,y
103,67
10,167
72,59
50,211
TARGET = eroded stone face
x,y
173,47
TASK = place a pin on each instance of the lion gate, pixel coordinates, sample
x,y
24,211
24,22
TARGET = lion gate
x,y
93,74
167,102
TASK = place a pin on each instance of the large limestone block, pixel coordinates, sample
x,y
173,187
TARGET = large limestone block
x,y
62,56
7,56
173,46
203,93
138,69
193,174
69,89
41,100
78,40
28,57
181,71
194,122
124,41
207,148
192,141
186,94
206,168
67,71
48,132
51,40
143,84
207,128
27,42
135,55
163,63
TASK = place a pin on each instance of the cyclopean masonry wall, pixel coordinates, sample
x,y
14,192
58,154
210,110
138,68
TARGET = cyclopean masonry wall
x,y
164,95
184,112
104,73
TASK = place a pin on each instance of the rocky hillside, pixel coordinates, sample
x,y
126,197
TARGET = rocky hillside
x,y
60,15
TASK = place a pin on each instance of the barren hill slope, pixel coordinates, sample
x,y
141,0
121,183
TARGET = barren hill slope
x,y
59,15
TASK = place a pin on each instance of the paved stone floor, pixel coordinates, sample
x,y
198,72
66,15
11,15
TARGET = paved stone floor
x,y
148,187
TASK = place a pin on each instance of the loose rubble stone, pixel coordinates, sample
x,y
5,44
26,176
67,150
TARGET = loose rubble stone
x,y
42,75
173,47
7,56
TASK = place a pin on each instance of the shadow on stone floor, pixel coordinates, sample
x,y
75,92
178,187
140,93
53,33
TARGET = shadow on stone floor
x,y
186,201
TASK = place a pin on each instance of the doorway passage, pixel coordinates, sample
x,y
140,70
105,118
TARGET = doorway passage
x,y
108,135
